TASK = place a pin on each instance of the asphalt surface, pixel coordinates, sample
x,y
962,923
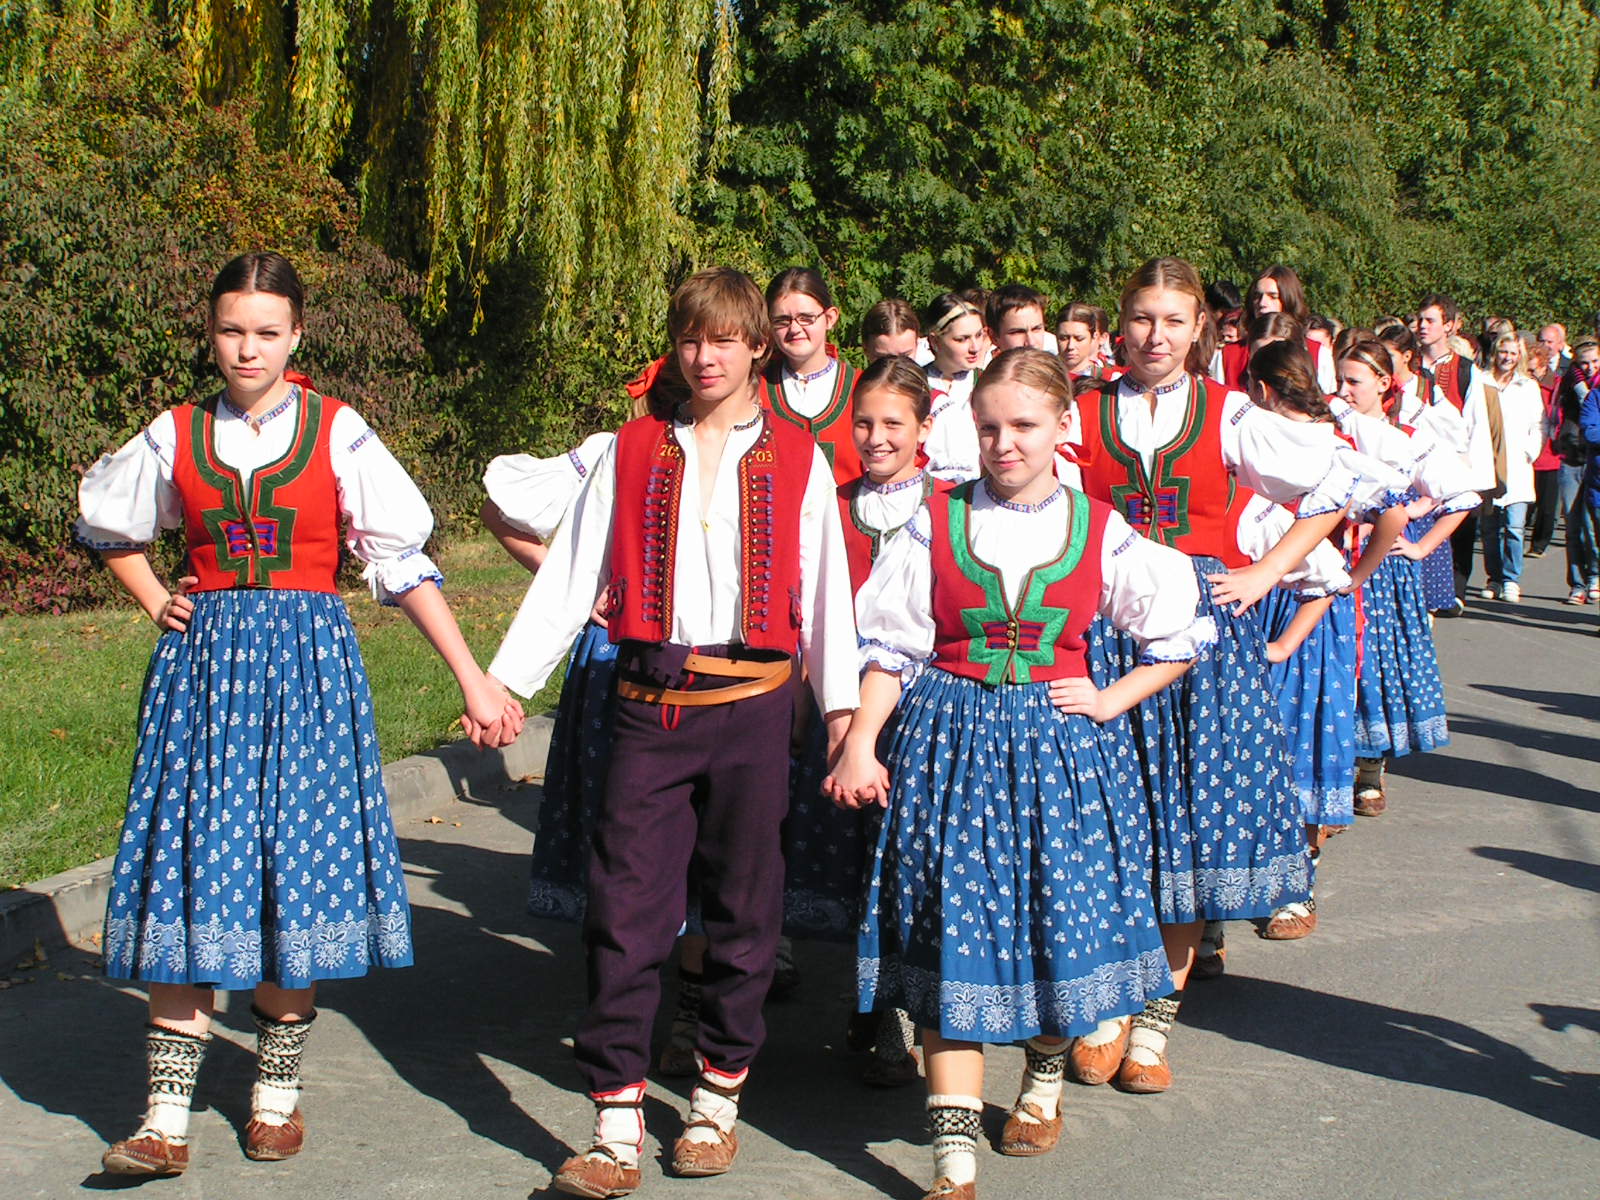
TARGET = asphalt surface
x,y
1437,1037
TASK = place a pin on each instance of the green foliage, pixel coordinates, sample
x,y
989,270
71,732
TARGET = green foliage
x,y
122,197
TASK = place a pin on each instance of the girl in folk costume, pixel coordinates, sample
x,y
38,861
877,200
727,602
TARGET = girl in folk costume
x,y
1171,450
891,413
1008,897
890,327
807,383
955,332
1078,332
1276,290
714,535
1310,623
1399,698
1522,418
257,852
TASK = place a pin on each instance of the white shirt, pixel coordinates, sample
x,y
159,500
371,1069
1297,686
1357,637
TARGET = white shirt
x,y
1433,469
1262,526
952,443
1146,589
1437,414
706,580
1479,441
1281,459
1522,419
885,510
535,494
128,498
810,398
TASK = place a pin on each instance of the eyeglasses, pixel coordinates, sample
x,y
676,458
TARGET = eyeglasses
x,y
804,320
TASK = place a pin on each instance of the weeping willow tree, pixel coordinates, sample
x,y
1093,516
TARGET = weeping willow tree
x,y
566,135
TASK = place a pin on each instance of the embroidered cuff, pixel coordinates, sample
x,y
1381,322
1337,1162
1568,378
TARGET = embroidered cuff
x,y
84,535
885,656
1465,502
1181,647
394,577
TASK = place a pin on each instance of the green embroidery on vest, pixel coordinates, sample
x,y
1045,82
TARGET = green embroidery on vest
x,y
1012,640
254,537
1159,507
842,389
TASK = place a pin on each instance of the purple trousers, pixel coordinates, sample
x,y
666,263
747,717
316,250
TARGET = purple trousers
x,y
701,789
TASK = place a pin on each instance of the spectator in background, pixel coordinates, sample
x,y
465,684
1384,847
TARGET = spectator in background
x,y
890,327
1226,306
1547,467
1522,418
1553,338
1325,330
1589,495
1583,559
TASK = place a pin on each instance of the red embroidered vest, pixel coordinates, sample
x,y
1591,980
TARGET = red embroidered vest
x,y
1235,362
830,427
644,533
861,542
279,528
1454,376
1188,499
1043,634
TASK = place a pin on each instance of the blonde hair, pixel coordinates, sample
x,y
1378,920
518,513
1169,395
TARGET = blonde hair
x,y
1028,367
1175,275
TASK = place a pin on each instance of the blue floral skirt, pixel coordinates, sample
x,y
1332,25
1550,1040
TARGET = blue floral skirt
x,y
574,778
1229,840
1316,690
1399,696
257,844
825,847
1437,570
1008,892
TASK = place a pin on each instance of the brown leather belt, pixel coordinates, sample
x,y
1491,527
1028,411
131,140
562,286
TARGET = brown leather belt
x,y
761,678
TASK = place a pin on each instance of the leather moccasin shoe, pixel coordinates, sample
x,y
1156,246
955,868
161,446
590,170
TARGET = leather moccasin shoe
x,y
1371,802
1291,922
597,1176
1023,1139
696,1159
147,1152
1144,1080
273,1143
1097,1064
943,1189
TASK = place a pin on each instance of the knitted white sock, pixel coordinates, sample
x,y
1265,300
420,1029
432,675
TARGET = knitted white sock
x,y
1106,1032
174,1061
1042,1079
279,1046
716,1099
956,1125
1148,1041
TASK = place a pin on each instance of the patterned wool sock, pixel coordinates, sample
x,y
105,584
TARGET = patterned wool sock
x,y
896,1035
619,1125
1369,773
279,1045
1042,1079
174,1061
716,1099
1106,1032
956,1124
1148,1041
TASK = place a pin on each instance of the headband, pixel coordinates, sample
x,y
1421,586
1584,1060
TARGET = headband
x,y
962,309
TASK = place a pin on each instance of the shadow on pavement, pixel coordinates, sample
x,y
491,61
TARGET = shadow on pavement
x,y
1503,779
1571,871
1391,1043
1568,702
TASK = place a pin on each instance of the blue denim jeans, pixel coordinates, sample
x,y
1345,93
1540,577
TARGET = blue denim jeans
x,y
1502,542
1583,556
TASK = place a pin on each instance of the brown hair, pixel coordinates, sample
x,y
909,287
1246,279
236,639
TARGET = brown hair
x,y
1403,343
1448,308
1084,314
1370,353
896,373
1287,369
1279,326
889,316
1291,293
1006,300
946,309
260,271
1175,275
807,281
721,301
1028,367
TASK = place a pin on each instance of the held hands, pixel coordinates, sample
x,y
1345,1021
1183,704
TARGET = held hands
x,y
858,778
493,716
1079,695
175,613
1242,586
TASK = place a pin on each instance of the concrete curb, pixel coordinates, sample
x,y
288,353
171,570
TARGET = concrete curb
x,y
67,907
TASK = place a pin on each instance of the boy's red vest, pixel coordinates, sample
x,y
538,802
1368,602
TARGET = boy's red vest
x,y
1188,499
644,533
1454,376
830,427
1043,634
861,543
279,529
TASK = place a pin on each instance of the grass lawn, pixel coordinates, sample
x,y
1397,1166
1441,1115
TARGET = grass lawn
x,y
69,687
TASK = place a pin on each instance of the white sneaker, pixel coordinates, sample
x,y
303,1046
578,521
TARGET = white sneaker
x,y
1511,593
1488,593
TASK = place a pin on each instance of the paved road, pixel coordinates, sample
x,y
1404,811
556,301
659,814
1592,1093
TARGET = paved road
x,y
1439,1037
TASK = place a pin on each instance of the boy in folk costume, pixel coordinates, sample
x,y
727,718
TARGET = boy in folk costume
x,y
1438,319
714,535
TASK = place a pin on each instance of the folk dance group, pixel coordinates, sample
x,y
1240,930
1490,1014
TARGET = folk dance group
x,y
1017,670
